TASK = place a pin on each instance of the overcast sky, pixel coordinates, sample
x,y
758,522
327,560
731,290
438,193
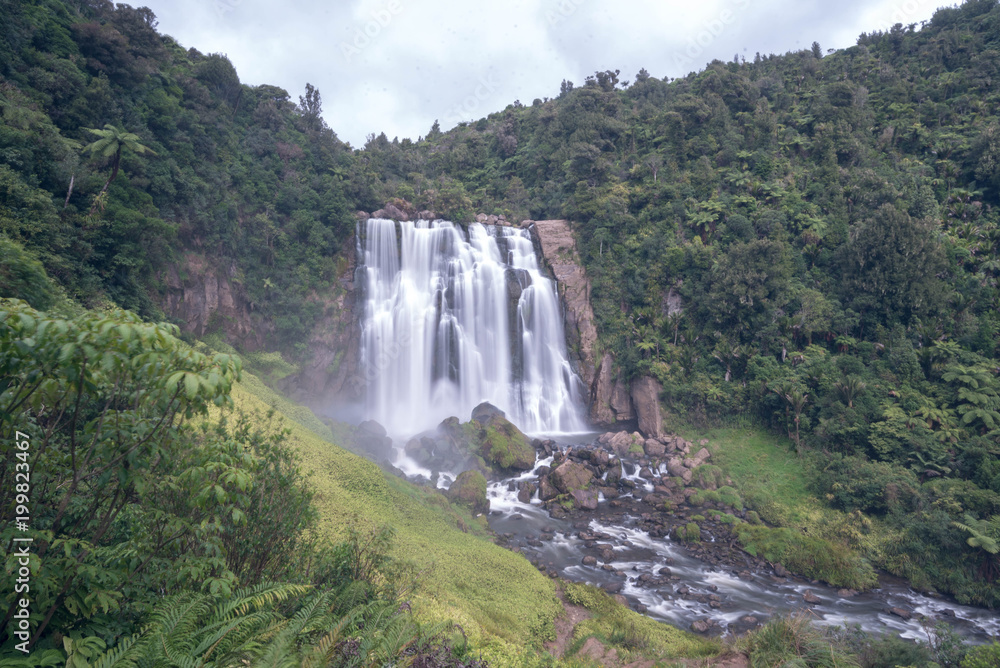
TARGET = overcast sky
x,y
395,66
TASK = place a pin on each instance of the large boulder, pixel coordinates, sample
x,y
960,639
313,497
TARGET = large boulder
x,y
486,411
571,475
585,499
500,443
646,399
469,489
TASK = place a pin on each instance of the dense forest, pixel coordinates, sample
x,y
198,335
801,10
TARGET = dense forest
x,y
809,242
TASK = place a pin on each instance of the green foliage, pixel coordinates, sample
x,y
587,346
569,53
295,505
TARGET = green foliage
x,y
22,276
983,656
689,533
788,641
811,556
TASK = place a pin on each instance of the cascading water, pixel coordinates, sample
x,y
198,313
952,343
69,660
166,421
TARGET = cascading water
x,y
442,331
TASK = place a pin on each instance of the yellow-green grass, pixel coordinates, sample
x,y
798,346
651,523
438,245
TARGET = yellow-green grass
x,y
503,603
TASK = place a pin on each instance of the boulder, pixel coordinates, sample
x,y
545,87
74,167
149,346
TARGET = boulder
x,y
526,491
654,448
675,467
646,399
469,489
902,613
485,411
499,442
370,437
585,499
571,475
621,443
589,561
700,626
809,597
546,490
614,473
701,457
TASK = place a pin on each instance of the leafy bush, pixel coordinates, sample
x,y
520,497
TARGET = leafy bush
x,y
813,557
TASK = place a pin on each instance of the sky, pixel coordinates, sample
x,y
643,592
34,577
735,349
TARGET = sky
x,y
396,66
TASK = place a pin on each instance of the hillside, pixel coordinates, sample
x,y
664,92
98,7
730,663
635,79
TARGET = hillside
x,y
801,247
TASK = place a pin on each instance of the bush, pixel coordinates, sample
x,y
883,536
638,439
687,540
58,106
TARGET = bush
x,y
813,557
792,641
984,656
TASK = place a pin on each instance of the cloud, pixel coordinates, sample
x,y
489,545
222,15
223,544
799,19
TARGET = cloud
x,y
396,66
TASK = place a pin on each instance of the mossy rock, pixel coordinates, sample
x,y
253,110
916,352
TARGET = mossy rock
x,y
469,489
501,444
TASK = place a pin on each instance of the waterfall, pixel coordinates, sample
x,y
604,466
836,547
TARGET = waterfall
x,y
442,331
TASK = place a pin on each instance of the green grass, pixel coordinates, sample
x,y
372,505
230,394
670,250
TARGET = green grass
x,y
501,601
505,606
772,480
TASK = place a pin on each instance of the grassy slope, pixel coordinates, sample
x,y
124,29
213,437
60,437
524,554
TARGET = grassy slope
x,y
827,543
501,601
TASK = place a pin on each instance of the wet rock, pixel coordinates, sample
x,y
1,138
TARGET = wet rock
x,y
902,613
570,475
590,560
614,473
613,587
526,491
585,499
469,489
546,490
846,593
500,442
485,411
701,626
654,448
809,597
780,571
664,571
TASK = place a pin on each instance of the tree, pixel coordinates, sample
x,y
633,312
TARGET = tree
x,y
311,107
110,145
890,268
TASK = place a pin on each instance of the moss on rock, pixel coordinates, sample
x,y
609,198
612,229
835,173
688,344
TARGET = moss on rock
x,y
469,489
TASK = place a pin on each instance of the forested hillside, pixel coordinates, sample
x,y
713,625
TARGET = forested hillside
x,y
809,242
239,174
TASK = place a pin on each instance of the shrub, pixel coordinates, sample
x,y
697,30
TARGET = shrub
x,y
984,656
813,557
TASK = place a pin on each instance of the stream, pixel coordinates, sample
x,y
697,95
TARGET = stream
x,y
732,602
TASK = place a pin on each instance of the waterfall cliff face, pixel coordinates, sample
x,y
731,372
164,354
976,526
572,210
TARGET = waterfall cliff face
x,y
452,320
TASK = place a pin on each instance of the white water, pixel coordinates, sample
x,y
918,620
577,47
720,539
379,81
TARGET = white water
x,y
441,334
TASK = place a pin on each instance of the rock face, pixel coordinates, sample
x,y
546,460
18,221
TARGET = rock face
x,y
469,489
202,296
646,398
558,246
610,401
